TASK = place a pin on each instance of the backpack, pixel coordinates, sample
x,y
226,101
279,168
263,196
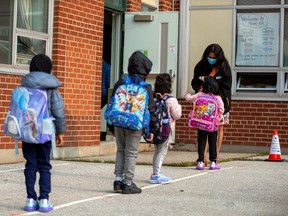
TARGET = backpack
x,y
205,113
163,120
28,117
128,107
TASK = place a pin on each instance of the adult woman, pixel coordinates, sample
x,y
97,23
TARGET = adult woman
x,y
214,63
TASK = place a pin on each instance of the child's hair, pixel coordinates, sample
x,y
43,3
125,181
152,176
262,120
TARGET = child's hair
x,y
163,84
210,85
41,63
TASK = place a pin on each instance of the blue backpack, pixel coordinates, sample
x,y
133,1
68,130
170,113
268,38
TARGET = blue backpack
x,y
128,107
163,120
28,117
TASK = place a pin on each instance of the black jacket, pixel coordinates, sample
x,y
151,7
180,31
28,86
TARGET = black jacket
x,y
139,64
223,78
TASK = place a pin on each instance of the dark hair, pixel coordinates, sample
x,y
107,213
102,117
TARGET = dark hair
x,y
210,85
163,84
219,54
41,63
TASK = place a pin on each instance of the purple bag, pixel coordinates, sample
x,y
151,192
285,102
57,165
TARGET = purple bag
x,y
205,113
28,118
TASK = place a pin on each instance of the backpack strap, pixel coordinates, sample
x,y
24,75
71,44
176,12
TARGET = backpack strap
x,y
53,141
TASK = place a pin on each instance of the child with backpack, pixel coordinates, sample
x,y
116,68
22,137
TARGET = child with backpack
x,y
209,114
130,113
168,110
37,155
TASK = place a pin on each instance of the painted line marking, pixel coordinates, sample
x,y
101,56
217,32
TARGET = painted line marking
x,y
117,194
12,170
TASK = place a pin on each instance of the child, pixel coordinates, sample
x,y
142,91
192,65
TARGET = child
x,y
162,87
209,87
128,140
38,155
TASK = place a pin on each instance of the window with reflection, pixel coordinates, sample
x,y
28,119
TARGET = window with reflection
x,y
31,32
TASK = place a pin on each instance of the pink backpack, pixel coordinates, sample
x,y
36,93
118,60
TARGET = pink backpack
x,y
205,113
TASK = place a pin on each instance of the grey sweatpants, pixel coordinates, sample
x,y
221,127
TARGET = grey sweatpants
x,y
160,151
127,152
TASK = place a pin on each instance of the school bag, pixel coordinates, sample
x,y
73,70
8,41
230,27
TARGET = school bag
x,y
205,113
163,120
128,108
28,118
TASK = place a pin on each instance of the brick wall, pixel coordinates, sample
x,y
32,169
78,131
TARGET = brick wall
x,y
133,5
169,5
251,123
77,57
7,84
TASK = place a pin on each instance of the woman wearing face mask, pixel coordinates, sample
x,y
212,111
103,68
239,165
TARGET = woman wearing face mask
x,y
214,63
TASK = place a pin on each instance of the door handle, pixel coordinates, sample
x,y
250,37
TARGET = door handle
x,y
172,73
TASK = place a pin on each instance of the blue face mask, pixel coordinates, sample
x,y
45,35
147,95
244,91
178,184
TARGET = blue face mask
x,y
211,61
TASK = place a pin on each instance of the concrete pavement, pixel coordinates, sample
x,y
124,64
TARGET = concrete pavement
x,y
245,185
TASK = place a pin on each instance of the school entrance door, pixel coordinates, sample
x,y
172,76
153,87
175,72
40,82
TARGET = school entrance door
x,y
156,35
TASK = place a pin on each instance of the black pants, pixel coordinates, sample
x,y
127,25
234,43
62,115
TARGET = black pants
x,y
37,160
212,141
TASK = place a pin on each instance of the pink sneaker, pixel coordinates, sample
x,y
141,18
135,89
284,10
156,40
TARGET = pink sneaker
x,y
214,166
200,165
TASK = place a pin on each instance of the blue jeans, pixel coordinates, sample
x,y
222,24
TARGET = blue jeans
x,y
37,160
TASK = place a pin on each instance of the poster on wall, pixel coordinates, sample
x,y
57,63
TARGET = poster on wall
x,y
257,39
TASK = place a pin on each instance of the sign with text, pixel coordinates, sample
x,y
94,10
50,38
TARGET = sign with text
x,y
257,39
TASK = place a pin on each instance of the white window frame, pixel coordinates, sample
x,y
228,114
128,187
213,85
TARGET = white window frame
x,y
281,93
21,69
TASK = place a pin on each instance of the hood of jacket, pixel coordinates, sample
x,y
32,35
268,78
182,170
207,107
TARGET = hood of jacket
x,y
40,80
139,64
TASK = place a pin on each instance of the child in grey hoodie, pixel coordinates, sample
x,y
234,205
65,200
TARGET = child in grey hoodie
x,y
38,155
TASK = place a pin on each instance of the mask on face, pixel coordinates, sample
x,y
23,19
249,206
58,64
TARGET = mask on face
x,y
211,60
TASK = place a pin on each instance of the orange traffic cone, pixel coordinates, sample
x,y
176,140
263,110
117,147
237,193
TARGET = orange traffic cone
x,y
275,152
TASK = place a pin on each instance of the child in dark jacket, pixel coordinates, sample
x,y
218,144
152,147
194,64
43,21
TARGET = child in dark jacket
x,y
128,140
38,155
209,88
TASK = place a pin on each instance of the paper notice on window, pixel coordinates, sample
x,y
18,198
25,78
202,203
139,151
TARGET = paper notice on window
x,y
257,39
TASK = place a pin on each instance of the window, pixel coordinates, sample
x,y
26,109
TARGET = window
x,y
256,82
116,4
261,50
286,83
24,32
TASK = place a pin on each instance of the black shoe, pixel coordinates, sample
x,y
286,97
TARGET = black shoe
x,y
118,186
131,189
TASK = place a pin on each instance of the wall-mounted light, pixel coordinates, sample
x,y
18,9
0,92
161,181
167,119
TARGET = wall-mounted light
x,y
143,18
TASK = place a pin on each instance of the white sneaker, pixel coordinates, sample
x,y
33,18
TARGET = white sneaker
x,y
200,165
214,166
45,205
31,205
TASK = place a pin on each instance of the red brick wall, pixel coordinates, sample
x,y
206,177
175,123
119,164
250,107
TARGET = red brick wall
x,y
251,123
169,5
133,5
77,57
165,5
7,84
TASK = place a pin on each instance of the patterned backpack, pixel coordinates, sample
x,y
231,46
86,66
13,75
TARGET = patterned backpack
x,y
163,120
28,118
205,113
128,108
